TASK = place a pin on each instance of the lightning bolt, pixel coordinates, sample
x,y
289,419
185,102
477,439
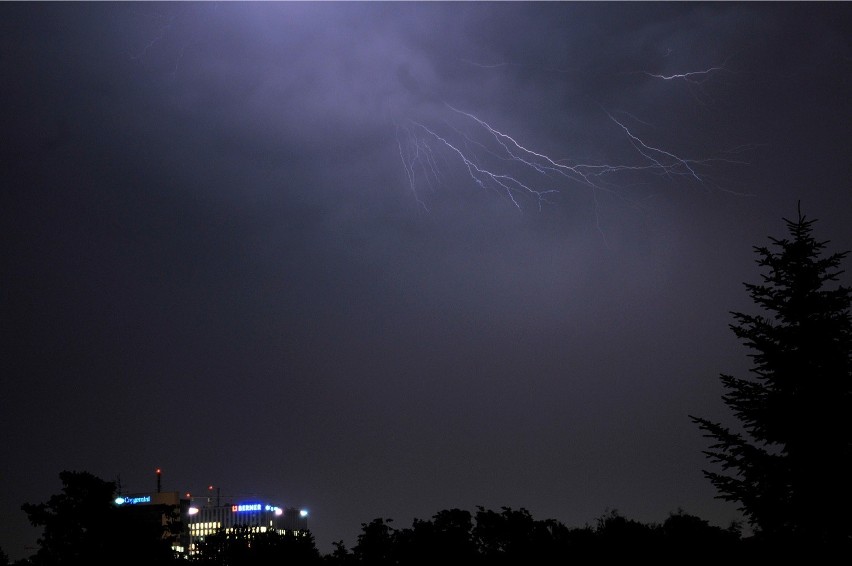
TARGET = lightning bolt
x,y
695,80
658,156
490,157
495,160
687,77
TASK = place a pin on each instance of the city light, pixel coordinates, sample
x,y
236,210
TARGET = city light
x,y
246,507
132,500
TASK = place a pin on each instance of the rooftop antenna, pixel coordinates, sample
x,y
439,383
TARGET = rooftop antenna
x,y
159,480
210,488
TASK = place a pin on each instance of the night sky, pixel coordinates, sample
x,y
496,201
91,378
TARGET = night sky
x,y
384,259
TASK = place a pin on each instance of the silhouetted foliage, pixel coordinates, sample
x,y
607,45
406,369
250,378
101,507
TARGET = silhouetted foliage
x,y
446,538
340,556
513,537
790,466
619,537
685,535
375,543
451,536
81,525
241,546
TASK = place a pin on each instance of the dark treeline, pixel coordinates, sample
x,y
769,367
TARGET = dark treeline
x,y
513,536
82,525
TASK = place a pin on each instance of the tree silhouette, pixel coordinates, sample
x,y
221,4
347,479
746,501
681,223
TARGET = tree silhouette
x,y
789,465
376,543
512,537
81,525
340,556
76,522
688,535
445,538
620,538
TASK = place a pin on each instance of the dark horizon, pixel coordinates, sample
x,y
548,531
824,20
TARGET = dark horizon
x,y
384,259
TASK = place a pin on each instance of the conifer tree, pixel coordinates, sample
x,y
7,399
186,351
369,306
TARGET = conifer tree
x,y
789,463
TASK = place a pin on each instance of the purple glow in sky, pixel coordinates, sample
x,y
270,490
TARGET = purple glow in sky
x,y
384,259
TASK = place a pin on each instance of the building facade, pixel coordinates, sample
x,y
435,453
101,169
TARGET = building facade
x,y
254,516
186,521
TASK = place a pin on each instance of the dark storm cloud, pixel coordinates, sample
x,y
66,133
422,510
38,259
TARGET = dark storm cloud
x,y
214,261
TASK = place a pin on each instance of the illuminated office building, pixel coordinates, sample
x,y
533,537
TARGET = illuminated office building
x,y
186,521
257,517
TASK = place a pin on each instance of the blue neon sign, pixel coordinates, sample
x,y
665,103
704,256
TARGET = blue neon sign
x,y
246,507
132,500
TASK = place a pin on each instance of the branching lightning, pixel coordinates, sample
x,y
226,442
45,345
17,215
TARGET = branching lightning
x,y
450,147
495,160
658,157
489,157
